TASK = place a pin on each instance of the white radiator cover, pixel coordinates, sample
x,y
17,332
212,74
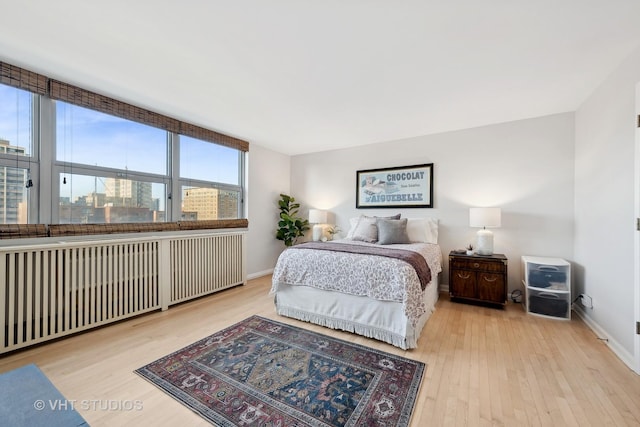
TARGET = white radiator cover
x,y
49,290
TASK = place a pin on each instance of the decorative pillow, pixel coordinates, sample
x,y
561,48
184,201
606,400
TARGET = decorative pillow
x,y
366,230
422,230
353,223
392,231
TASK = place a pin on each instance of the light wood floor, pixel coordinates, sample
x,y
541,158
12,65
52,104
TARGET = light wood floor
x,y
484,366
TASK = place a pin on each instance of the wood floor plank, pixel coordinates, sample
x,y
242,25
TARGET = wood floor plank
x,y
485,366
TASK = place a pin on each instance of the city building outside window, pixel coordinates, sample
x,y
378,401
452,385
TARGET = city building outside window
x,y
209,192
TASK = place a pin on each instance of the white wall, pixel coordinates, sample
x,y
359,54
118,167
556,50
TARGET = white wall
x,y
604,203
268,176
525,167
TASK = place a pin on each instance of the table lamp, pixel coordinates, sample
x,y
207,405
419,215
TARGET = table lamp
x,y
484,217
318,218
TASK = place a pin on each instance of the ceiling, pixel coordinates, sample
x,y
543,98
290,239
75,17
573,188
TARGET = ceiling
x,y
297,76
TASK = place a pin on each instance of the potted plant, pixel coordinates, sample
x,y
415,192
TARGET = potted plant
x,y
290,225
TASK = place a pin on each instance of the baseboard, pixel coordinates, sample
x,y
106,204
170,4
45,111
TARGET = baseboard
x,y
259,274
615,346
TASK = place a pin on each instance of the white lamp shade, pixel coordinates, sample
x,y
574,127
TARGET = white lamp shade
x,y
317,216
484,217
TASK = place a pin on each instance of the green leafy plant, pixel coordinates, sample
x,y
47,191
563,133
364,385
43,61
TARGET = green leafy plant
x,y
290,225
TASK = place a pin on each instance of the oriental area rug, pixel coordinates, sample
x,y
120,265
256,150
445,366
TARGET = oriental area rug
x,y
260,372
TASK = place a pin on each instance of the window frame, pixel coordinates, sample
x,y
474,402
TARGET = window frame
x,y
182,182
30,162
101,172
44,197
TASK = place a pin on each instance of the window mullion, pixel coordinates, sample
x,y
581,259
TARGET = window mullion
x,y
175,202
47,187
242,156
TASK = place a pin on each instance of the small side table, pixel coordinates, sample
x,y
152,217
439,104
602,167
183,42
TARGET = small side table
x,y
478,278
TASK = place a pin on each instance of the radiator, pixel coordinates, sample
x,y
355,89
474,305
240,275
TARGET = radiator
x,y
52,290
195,272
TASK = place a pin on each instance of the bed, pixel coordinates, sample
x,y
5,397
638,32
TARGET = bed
x,y
371,283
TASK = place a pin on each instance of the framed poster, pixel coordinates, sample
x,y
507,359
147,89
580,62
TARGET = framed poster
x,y
400,187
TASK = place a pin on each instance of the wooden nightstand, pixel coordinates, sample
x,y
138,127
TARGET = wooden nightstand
x,y
479,278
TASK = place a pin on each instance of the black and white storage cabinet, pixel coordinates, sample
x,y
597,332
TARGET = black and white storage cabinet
x,y
547,283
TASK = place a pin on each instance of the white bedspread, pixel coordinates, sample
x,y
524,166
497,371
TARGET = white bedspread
x,y
380,278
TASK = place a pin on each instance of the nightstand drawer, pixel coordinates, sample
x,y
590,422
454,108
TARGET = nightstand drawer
x,y
478,265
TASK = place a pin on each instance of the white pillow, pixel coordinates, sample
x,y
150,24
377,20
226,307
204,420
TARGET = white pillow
x,y
422,230
366,230
353,223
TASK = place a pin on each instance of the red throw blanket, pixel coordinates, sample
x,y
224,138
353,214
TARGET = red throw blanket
x,y
414,259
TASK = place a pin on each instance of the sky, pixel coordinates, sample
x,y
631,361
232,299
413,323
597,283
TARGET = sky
x,y
14,127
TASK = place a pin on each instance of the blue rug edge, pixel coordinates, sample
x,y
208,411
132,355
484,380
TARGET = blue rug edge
x,y
29,398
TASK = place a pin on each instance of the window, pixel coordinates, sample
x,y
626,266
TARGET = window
x,y
205,203
72,156
14,202
97,139
88,199
204,161
16,113
110,170
210,177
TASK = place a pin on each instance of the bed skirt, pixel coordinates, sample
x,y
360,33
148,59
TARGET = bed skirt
x,y
381,320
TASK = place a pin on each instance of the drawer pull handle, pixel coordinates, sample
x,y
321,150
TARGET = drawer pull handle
x,y
548,294
490,279
464,276
476,265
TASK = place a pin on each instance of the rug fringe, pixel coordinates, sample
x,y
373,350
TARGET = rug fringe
x,y
349,326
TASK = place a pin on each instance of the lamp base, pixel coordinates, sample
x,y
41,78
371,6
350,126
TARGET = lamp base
x,y
484,243
318,232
